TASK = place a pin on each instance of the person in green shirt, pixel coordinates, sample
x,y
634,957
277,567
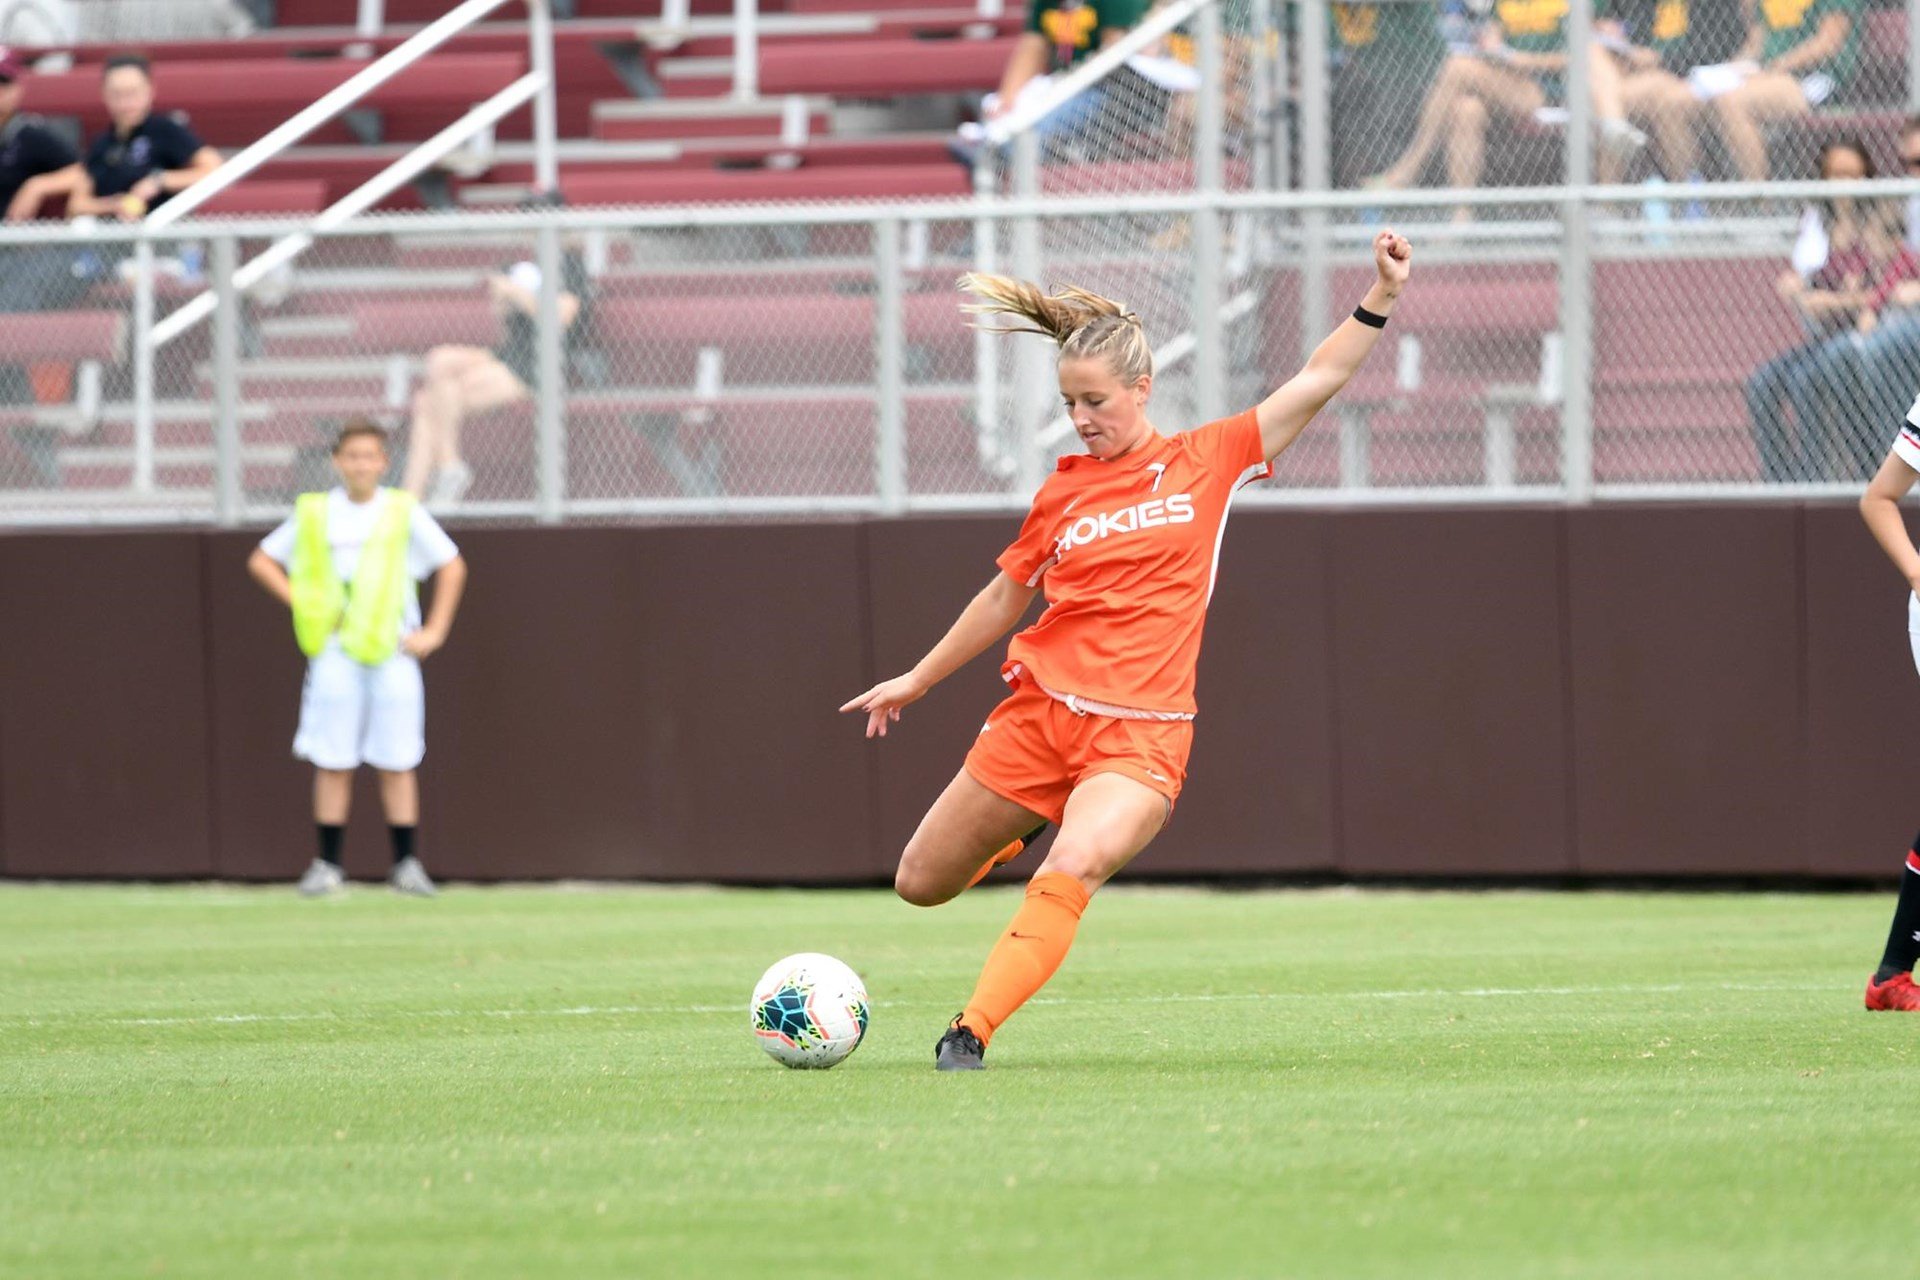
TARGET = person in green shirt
x,y
1653,44
1384,54
1515,67
1799,53
1059,34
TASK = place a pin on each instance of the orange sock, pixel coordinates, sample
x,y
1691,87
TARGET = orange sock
x,y
1007,853
1028,952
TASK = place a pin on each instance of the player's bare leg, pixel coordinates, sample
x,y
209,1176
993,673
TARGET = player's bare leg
x,y
1767,98
400,799
433,433
1109,819
332,800
968,825
1671,114
1488,89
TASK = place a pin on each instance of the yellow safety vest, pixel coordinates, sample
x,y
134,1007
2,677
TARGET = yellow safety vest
x,y
367,619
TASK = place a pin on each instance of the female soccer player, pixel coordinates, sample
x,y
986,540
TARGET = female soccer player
x,y
1124,540
1891,986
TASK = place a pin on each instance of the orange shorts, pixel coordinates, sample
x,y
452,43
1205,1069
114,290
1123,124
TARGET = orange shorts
x,y
1034,750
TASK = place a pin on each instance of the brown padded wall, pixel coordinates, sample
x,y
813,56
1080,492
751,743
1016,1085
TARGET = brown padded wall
x,y
1259,797
1686,656
1615,691
919,575
103,677
1448,660
1863,703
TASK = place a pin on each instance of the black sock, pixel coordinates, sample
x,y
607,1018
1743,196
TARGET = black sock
x,y
402,842
1026,841
331,834
1903,939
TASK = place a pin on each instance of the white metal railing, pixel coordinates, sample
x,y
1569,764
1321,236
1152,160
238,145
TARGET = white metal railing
x,y
546,495
537,87
1152,30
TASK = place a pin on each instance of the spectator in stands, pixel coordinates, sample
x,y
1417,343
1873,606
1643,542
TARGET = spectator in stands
x,y
1384,53
1798,53
1876,382
1846,256
143,159
36,163
1655,45
1179,53
1515,68
1059,34
462,380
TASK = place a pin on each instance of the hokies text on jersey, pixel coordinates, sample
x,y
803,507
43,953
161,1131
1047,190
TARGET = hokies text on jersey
x,y
1155,512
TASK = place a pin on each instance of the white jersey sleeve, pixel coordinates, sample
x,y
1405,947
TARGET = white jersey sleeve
x,y
429,549
279,544
1906,445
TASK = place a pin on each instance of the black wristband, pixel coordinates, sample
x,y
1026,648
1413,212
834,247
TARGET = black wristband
x,y
1373,318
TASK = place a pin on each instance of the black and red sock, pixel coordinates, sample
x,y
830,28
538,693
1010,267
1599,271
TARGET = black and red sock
x,y
1903,939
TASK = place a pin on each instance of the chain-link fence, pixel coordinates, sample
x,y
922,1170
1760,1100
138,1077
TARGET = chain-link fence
x,y
1675,332
748,363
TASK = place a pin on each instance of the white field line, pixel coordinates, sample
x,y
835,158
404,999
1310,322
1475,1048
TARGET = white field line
x,y
625,1010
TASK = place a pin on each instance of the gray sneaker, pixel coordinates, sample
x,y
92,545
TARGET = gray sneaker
x,y
450,485
410,877
321,879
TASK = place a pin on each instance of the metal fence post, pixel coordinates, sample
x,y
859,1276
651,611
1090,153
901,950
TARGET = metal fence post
x,y
889,357
746,49
143,388
1576,266
1209,330
550,442
989,439
1032,394
1316,170
546,163
1913,55
227,467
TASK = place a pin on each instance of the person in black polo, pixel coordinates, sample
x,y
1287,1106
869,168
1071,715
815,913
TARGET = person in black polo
x,y
35,162
143,159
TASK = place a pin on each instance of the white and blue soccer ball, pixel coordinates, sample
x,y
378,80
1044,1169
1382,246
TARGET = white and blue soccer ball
x,y
809,1010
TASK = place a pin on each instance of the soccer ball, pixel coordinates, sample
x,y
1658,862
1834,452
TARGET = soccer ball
x,y
809,1010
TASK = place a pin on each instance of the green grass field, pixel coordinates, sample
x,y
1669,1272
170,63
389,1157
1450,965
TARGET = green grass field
x,y
532,1082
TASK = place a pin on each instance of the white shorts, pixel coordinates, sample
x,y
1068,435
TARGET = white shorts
x,y
1913,627
352,715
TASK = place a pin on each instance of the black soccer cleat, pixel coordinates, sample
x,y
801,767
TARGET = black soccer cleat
x,y
959,1050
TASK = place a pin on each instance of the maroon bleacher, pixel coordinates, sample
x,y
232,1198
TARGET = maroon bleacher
x,y
63,335
267,196
1674,343
820,182
879,68
233,101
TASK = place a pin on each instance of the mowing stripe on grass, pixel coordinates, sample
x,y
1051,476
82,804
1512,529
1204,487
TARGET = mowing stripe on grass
x,y
626,1010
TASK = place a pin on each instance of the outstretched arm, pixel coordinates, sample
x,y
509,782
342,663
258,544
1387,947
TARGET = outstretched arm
x,y
1286,413
985,619
1880,508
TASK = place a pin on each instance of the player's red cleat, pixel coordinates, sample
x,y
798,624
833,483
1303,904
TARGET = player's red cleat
x,y
1897,993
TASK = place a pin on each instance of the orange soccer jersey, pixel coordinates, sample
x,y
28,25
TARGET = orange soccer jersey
x,y
1126,552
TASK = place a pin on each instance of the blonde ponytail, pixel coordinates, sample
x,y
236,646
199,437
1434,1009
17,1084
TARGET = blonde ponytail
x,y
1080,323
